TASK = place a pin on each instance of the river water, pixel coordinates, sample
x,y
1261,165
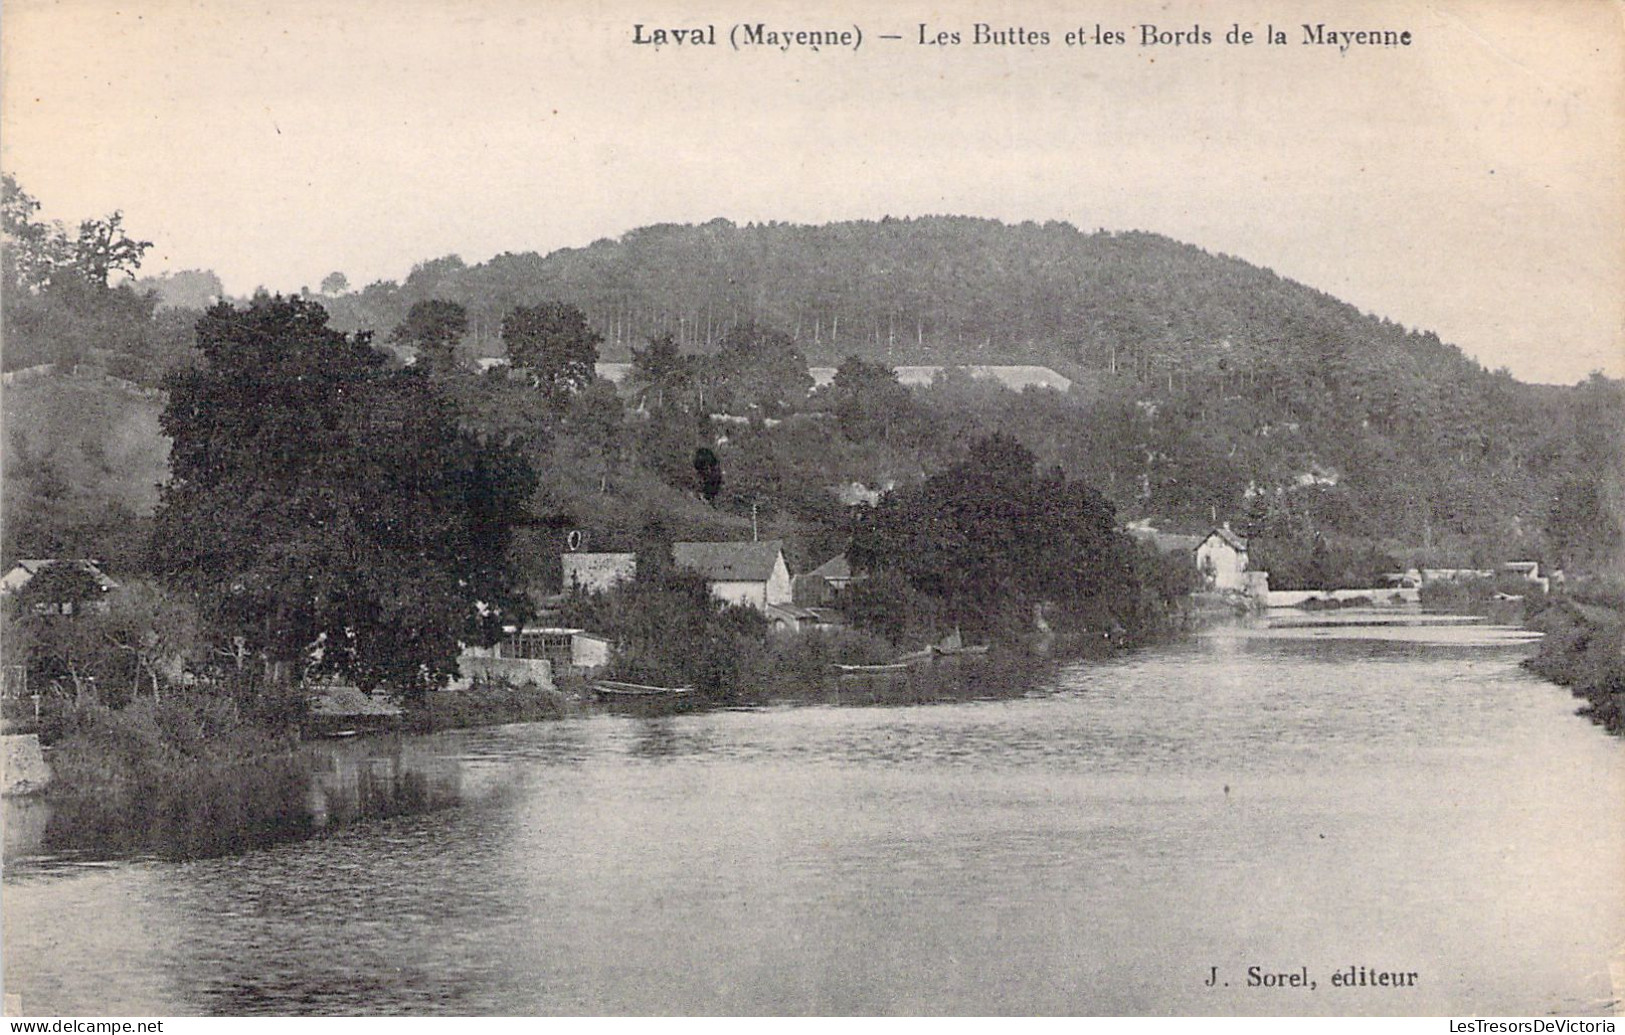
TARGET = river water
x,y
1305,798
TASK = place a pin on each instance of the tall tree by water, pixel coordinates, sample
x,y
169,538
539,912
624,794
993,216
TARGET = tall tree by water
x,y
990,538
326,509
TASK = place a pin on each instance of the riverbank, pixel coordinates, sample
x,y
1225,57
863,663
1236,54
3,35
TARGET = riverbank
x,y
185,777
1584,650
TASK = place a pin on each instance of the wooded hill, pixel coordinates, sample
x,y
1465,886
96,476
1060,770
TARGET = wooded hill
x,y
1205,387
1207,377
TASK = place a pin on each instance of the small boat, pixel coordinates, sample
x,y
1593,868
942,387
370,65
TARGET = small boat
x,y
614,690
864,670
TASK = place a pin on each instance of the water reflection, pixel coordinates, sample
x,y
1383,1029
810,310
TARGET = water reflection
x,y
1092,844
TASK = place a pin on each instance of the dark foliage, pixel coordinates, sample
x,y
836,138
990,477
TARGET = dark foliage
x,y
328,510
553,346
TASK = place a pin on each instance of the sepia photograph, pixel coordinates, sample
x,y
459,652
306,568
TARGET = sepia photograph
x,y
812,508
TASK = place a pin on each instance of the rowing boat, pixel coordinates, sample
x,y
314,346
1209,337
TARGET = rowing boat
x,y
615,690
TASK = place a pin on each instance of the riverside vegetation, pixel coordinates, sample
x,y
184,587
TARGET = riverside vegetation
x,y
327,509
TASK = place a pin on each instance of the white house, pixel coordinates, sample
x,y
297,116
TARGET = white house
x,y
753,574
1221,557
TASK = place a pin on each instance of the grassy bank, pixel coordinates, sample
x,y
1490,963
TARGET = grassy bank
x,y
486,704
1584,650
1504,598
185,777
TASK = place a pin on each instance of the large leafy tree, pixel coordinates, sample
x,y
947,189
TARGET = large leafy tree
x,y
761,368
433,327
867,399
662,368
990,538
327,510
554,347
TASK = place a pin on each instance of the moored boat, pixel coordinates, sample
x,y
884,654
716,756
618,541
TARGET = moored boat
x,y
864,670
611,689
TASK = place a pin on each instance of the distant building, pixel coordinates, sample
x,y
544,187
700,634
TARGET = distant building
x,y
1165,542
822,586
1015,377
795,618
753,574
63,585
597,572
1221,557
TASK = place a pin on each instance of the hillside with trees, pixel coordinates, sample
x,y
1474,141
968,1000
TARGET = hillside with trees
x,y
1204,387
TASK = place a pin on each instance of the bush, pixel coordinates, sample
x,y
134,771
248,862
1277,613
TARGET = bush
x,y
796,665
485,704
183,777
1584,649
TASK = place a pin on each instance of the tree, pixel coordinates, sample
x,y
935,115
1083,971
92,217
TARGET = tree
x,y
104,248
328,511
662,366
990,538
596,419
184,289
433,327
553,345
160,631
335,283
761,368
867,399
32,251
708,469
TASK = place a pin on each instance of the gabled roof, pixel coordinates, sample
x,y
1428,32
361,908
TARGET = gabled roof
x,y
1165,542
1229,538
837,567
729,562
24,571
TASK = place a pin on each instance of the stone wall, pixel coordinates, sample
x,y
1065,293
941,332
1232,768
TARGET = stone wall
x,y
24,770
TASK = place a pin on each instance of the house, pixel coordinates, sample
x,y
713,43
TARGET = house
x,y
1221,557
597,572
823,585
1164,542
63,584
753,574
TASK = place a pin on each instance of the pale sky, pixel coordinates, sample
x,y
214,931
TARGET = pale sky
x,y
1472,183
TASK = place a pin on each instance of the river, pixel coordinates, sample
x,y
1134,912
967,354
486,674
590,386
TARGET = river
x,y
1306,797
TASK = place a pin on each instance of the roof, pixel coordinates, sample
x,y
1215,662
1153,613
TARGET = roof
x,y
1014,377
837,567
1165,542
1229,538
729,562
24,571
791,611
